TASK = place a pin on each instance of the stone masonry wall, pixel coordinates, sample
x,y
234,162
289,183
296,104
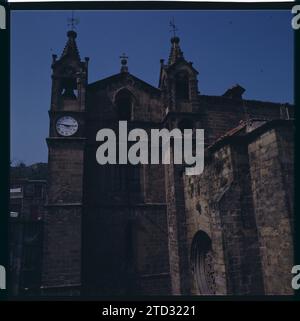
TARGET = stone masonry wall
x,y
271,161
62,234
244,202
201,193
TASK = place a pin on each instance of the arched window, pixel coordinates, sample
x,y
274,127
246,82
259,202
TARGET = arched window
x,y
124,102
182,86
202,266
69,89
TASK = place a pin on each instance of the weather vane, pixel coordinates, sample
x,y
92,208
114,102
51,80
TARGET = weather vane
x,y
173,27
72,22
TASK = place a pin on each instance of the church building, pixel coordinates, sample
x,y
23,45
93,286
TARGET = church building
x,y
150,229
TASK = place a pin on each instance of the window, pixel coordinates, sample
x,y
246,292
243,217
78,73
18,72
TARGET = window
x,y
124,103
69,88
202,263
182,86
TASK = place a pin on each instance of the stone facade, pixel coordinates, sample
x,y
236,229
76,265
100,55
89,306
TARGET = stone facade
x,y
241,204
150,229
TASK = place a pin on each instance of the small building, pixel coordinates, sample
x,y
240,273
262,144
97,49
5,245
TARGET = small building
x,y
27,200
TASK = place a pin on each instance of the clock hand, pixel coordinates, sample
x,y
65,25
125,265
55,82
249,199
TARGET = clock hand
x,y
67,125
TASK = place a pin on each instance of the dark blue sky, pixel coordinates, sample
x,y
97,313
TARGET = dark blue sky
x,y
252,48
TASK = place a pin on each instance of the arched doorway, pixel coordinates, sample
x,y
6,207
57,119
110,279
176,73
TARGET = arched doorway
x,y
202,263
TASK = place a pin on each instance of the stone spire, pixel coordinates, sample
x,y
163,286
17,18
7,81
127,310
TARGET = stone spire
x,y
176,53
71,49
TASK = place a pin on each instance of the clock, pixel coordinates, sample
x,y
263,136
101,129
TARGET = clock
x,y
66,126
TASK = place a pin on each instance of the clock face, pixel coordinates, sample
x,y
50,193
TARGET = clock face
x,y
66,126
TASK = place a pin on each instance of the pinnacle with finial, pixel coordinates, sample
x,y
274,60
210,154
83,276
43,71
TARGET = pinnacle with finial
x,y
72,22
173,27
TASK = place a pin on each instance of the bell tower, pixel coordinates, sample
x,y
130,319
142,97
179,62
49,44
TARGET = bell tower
x,y
66,145
178,81
179,86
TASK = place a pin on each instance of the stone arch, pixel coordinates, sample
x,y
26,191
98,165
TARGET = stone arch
x,y
124,101
202,265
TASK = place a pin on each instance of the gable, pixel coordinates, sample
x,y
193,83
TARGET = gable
x,y
145,99
126,79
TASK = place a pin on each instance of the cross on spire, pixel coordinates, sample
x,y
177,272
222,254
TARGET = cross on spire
x,y
71,46
124,67
123,56
173,27
72,22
